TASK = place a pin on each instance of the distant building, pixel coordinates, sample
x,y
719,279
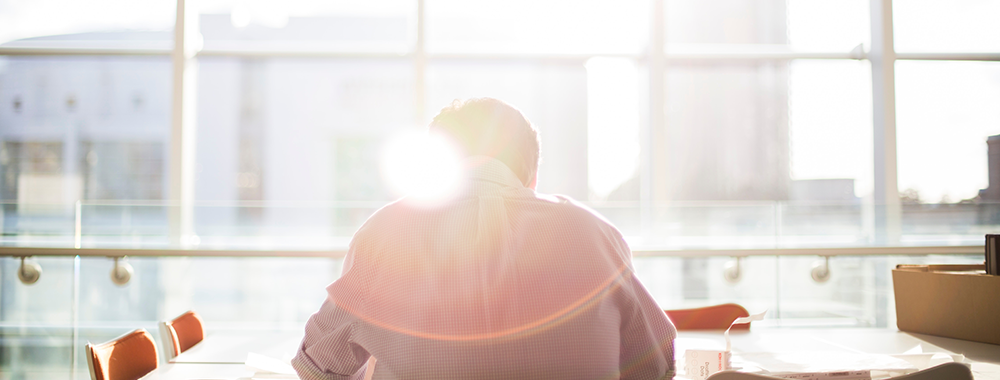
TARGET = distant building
x,y
989,198
992,193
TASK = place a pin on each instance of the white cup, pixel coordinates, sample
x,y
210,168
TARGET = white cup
x,y
700,364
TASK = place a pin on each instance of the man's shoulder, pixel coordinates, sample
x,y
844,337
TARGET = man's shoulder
x,y
573,212
552,209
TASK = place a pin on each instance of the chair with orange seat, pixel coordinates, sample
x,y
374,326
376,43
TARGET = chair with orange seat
x,y
128,357
181,333
716,317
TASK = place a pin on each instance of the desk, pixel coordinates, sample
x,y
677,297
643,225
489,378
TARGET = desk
x,y
985,358
231,348
189,371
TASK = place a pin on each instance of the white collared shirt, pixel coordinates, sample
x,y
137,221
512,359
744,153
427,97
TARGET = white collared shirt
x,y
500,283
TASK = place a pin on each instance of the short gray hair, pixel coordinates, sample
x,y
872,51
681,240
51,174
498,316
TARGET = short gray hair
x,y
491,127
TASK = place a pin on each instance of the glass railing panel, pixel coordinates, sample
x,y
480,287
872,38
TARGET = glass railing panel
x,y
124,225
37,224
324,226
688,282
280,227
713,225
228,292
821,224
857,292
852,295
330,226
45,325
246,292
36,321
948,223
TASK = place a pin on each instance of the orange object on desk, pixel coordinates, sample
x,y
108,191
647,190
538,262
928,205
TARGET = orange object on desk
x,y
716,317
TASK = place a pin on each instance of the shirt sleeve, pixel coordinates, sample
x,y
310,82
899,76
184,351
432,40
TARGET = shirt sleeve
x,y
647,335
329,351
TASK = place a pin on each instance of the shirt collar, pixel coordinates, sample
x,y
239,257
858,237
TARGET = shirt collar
x,y
490,169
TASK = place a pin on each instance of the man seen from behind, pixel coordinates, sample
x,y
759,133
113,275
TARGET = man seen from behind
x,y
499,282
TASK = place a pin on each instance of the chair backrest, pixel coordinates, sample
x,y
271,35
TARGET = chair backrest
x,y
717,317
181,333
128,357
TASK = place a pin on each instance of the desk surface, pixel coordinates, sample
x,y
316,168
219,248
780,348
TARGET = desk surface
x,y
985,358
222,347
231,348
189,371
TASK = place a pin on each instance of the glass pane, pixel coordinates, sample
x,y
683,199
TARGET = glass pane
x,y
750,150
946,126
801,24
365,26
79,128
948,26
532,26
552,96
830,125
727,133
61,22
297,144
945,113
831,154
828,25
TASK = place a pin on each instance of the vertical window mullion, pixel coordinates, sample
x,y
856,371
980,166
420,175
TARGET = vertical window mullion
x,y
180,208
885,195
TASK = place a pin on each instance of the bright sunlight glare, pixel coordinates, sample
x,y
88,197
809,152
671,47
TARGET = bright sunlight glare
x,y
425,168
612,123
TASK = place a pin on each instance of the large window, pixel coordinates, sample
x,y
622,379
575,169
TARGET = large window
x,y
702,129
749,105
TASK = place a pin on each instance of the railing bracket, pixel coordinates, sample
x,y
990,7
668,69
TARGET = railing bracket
x,y
821,270
29,272
732,272
122,272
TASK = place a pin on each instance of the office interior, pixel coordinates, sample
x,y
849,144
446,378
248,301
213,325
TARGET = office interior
x,y
218,155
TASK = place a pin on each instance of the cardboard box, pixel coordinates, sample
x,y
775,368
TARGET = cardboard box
x,y
955,301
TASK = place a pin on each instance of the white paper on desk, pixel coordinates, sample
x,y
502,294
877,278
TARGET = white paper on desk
x,y
930,359
924,360
751,318
822,361
264,365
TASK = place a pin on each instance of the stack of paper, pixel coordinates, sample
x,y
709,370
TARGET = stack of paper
x,y
826,365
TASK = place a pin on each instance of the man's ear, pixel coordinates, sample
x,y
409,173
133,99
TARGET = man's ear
x,y
534,181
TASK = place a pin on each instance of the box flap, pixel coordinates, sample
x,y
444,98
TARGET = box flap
x,y
942,267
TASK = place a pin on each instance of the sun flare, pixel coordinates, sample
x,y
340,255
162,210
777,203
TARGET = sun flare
x,y
425,168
